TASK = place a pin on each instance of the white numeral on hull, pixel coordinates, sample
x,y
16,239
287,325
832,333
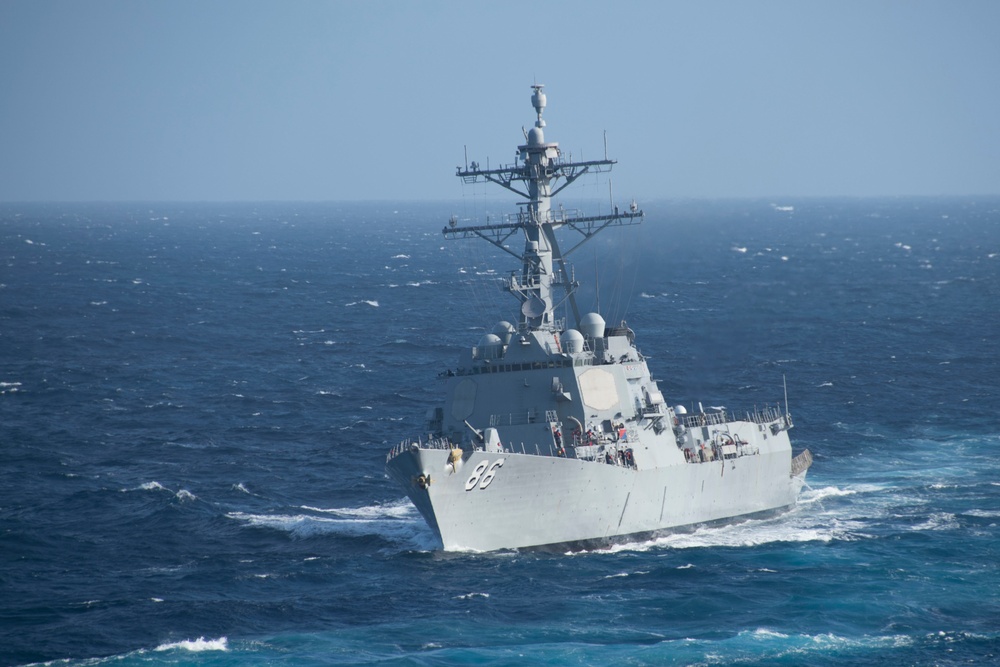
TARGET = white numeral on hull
x,y
479,478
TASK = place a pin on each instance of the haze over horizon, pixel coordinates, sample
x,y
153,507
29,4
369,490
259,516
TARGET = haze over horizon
x,y
116,100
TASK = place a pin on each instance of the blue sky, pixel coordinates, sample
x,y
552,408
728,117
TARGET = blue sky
x,y
248,100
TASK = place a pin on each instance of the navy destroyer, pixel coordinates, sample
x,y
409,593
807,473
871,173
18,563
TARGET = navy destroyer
x,y
552,433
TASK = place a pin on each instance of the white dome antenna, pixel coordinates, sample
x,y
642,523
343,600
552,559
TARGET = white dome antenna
x,y
538,101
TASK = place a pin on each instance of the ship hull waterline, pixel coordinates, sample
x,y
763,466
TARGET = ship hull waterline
x,y
564,504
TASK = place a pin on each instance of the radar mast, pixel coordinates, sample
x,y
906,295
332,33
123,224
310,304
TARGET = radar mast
x,y
538,174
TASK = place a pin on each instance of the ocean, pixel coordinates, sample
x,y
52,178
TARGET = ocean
x,y
196,401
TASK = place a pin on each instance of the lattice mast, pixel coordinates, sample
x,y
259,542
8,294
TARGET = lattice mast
x,y
535,176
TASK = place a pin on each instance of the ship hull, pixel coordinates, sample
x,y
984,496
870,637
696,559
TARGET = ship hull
x,y
533,501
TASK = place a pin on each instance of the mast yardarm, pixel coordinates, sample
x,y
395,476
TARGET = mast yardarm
x,y
538,175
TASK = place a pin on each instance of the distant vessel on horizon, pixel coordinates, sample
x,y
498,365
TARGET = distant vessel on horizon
x,y
553,434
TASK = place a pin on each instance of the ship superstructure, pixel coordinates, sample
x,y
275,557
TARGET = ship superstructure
x,y
553,433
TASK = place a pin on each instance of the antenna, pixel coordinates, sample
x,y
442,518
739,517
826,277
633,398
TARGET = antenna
x,y
785,384
605,144
597,281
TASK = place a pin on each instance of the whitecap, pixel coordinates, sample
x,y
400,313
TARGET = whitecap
x,y
197,645
401,256
184,494
938,521
811,495
395,510
740,249
470,596
397,522
764,632
152,486
370,302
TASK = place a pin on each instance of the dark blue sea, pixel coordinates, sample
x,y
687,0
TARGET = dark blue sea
x,y
196,402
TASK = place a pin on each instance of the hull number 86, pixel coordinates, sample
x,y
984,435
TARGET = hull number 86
x,y
479,478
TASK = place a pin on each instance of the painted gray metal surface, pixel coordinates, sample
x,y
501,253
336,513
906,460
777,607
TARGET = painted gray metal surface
x,y
552,432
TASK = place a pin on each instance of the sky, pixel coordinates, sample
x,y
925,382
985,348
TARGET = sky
x,y
247,100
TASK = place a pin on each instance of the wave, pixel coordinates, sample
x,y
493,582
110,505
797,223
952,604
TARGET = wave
x,y
152,486
938,521
398,510
808,521
471,596
196,645
182,494
369,302
396,522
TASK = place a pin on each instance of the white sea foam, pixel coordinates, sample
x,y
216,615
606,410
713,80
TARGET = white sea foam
x,y
196,645
184,494
764,633
778,645
400,256
368,302
810,495
397,522
400,510
809,521
938,521
152,486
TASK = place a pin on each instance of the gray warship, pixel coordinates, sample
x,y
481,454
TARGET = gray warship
x,y
553,435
